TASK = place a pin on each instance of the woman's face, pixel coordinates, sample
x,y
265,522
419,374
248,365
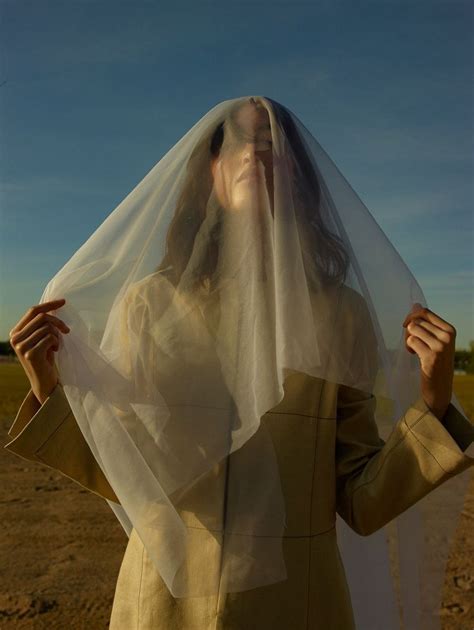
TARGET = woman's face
x,y
245,162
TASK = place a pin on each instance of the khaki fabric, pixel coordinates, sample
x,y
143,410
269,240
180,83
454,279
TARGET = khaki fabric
x,y
332,460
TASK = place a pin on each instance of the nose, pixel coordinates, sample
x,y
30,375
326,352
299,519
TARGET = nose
x,y
250,153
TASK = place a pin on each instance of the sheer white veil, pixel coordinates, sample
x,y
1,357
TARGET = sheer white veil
x,y
242,257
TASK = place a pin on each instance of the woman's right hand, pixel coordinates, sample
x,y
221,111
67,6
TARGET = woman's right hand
x,y
34,339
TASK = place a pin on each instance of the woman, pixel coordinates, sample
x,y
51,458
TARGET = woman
x,y
229,402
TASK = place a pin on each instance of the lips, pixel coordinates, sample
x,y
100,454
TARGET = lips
x,y
248,174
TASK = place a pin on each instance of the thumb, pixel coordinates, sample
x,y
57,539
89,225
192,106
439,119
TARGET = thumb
x,y
414,308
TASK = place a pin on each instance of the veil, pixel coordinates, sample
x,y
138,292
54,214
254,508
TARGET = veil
x,y
242,257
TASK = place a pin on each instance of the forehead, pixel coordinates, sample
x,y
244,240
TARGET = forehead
x,y
251,119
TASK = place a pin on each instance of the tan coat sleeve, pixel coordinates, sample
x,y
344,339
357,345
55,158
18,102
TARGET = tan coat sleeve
x,y
49,433
377,480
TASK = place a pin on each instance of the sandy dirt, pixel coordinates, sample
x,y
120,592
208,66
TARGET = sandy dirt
x,y
62,546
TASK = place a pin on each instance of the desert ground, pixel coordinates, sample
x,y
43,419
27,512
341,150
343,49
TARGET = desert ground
x,y
61,545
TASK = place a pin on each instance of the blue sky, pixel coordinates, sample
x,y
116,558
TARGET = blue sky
x,y
94,93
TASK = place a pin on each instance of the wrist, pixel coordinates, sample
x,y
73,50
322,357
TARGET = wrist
x,y
43,395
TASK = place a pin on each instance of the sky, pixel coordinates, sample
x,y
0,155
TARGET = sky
x,y
94,93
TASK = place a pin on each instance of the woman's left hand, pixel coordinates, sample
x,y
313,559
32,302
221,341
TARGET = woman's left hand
x,y
432,339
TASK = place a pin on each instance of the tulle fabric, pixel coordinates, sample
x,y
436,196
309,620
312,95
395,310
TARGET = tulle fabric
x,y
190,305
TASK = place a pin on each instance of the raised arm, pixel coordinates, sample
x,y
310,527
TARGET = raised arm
x,y
377,480
49,433
45,429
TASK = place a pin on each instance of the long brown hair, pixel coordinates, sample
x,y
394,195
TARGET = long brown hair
x,y
328,259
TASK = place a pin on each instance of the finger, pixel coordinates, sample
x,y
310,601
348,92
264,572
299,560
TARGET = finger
x,y
35,310
41,348
428,315
417,346
24,346
409,348
407,337
39,320
431,340
420,324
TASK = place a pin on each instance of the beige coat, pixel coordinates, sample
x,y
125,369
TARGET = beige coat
x,y
366,481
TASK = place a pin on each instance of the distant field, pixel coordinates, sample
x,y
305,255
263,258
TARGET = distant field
x,y
464,390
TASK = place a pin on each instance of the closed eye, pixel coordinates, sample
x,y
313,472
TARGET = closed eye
x,y
267,143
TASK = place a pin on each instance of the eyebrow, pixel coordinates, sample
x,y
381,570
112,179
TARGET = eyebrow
x,y
261,128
